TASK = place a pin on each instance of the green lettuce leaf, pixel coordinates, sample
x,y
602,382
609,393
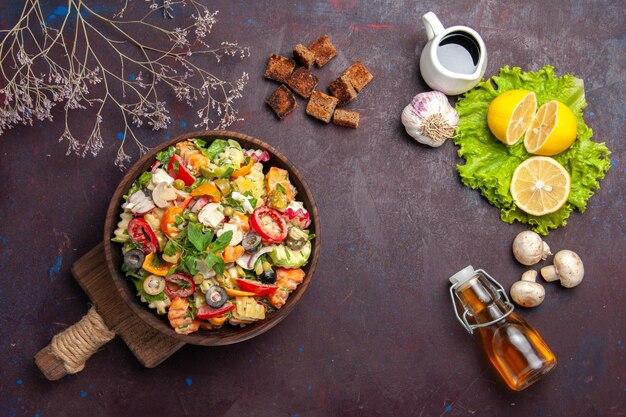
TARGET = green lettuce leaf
x,y
489,164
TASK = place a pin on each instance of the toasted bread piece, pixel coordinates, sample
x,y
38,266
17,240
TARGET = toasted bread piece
x,y
323,50
304,56
282,101
346,118
343,90
302,82
279,68
358,75
321,106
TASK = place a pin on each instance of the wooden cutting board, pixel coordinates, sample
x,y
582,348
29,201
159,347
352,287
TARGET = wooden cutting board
x,y
147,344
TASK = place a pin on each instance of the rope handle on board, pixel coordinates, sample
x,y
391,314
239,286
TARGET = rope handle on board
x,y
69,350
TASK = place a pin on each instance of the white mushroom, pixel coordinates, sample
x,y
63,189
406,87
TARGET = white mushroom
x,y
237,234
163,193
159,175
567,267
527,292
211,215
528,248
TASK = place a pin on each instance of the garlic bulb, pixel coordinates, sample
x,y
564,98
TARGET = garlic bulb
x,y
430,119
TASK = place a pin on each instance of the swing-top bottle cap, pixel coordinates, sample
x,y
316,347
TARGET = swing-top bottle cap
x,y
463,275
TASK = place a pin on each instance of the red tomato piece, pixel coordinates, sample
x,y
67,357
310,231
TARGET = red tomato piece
x,y
206,312
269,224
256,287
179,285
177,170
141,233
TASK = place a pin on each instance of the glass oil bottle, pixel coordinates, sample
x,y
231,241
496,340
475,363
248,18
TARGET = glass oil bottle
x,y
514,348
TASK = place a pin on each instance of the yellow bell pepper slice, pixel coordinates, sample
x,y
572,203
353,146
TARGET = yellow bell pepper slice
x,y
239,293
160,270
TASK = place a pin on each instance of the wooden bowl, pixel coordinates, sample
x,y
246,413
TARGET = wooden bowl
x,y
227,334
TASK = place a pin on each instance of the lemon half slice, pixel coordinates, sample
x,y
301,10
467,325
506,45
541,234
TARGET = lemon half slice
x,y
510,114
553,130
540,185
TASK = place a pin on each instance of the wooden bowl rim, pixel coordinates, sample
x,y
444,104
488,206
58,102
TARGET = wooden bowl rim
x,y
228,334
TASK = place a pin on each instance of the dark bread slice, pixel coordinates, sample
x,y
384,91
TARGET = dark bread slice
x,y
304,56
282,101
302,82
323,50
321,106
346,118
343,90
358,75
279,68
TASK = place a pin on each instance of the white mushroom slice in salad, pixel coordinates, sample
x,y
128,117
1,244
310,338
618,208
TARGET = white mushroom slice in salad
x,y
237,234
211,215
163,193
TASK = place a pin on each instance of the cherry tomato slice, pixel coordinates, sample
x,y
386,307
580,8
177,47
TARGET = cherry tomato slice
x,y
256,287
179,285
177,170
206,312
141,233
269,224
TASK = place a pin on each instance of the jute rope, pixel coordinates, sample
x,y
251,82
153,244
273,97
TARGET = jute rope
x,y
78,342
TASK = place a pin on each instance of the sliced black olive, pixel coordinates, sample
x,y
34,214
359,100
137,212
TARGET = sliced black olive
x,y
251,242
216,296
133,259
269,276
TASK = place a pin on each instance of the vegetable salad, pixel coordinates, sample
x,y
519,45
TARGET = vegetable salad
x,y
212,237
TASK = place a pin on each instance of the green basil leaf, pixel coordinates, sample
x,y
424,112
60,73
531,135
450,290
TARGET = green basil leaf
x,y
222,241
170,248
215,262
189,263
165,155
195,236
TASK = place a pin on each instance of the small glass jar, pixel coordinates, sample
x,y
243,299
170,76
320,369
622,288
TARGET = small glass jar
x,y
513,346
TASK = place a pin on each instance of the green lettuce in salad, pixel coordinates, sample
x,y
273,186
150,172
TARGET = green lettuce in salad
x,y
489,164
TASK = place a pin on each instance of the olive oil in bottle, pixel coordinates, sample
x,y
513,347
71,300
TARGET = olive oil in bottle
x,y
512,345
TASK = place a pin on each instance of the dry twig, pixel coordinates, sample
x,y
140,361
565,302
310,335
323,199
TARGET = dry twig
x,y
42,66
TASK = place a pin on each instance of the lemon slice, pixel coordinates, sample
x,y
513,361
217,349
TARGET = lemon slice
x,y
553,130
540,185
510,114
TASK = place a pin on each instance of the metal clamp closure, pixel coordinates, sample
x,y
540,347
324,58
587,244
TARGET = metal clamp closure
x,y
463,318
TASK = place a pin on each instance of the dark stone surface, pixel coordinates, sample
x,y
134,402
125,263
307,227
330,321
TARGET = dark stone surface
x,y
375,334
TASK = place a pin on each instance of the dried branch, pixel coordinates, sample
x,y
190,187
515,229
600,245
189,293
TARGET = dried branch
x,y
84,62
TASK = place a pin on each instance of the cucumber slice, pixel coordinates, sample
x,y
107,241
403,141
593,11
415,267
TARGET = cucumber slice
x,y
287,258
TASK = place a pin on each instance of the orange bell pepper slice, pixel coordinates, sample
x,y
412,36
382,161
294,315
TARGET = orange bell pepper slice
x,y
186,202
161,269
208,189
241,220
232,253
168,220
218,321
244,170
